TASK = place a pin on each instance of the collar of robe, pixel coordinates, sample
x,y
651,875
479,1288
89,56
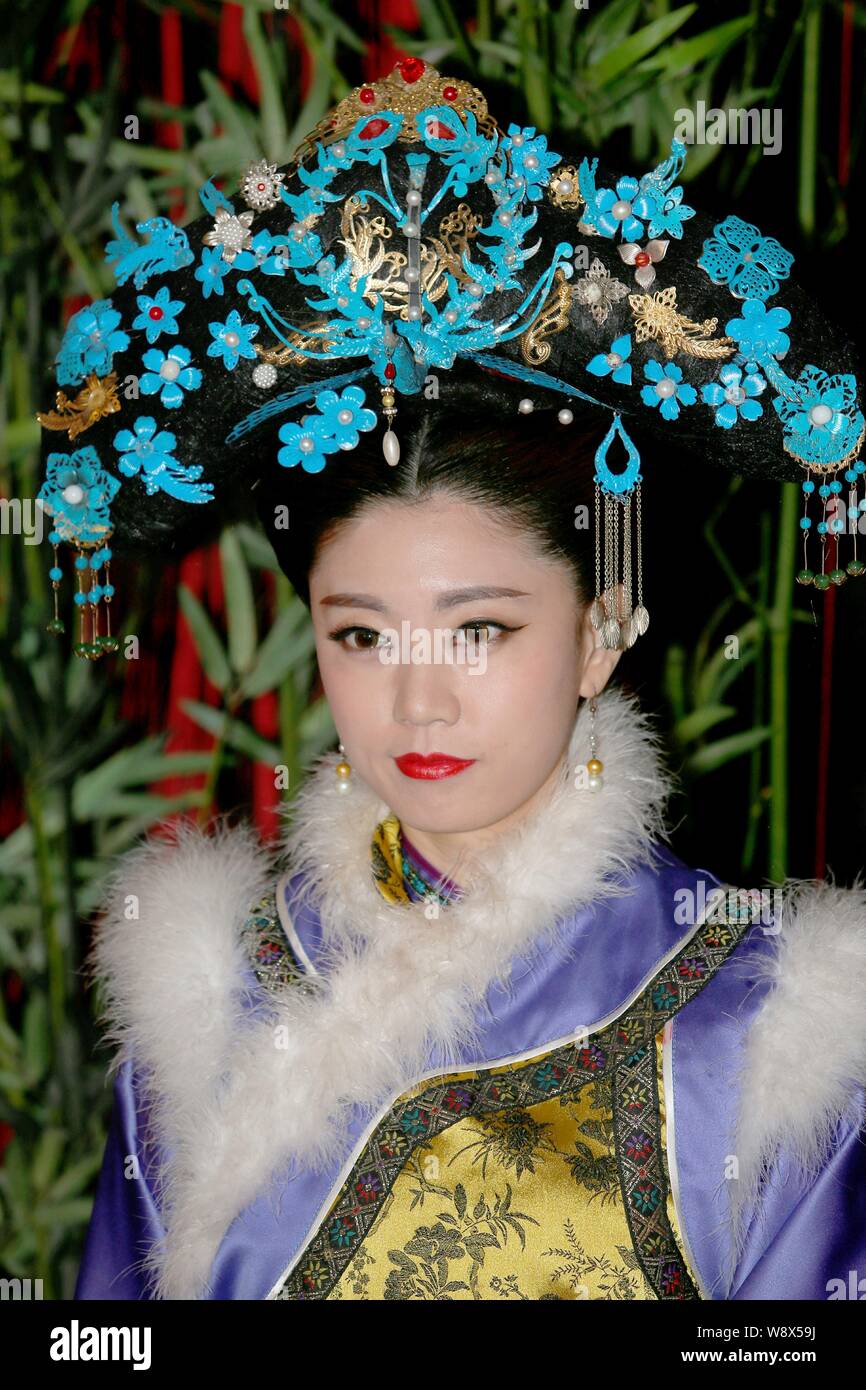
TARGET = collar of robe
x,y
239,1095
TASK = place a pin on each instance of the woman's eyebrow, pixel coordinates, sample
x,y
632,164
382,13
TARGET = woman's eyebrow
x,y
450,599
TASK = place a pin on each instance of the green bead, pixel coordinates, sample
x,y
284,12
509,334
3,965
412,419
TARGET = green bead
x,y
822,581
56,626
109,644
855,567
805,576
838,576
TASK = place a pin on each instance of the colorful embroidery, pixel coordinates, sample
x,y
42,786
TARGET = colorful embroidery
x,y
510,1116
274,963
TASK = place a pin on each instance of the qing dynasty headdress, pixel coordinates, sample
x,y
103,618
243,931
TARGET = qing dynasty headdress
x,y
410,235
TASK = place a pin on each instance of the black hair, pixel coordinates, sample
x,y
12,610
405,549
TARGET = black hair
x,y
533,471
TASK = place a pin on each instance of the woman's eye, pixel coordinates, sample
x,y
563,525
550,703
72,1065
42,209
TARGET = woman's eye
x,y
363,633
479,633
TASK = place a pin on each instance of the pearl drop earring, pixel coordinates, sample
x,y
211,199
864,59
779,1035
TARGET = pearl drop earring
x,y
594,766
343,772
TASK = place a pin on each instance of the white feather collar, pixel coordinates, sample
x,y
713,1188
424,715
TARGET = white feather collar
x,y
365,1028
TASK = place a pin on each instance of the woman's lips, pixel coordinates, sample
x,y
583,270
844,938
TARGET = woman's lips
x,y
431,766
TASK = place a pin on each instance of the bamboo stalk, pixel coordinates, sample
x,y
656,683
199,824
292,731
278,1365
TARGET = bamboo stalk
x,y
780,622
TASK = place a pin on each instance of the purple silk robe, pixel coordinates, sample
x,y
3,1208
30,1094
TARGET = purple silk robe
x,y
809,1231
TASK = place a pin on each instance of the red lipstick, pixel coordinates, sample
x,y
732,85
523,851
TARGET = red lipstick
x,y
429,767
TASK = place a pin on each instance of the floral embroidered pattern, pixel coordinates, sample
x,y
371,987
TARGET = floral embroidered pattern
x,y
622,1158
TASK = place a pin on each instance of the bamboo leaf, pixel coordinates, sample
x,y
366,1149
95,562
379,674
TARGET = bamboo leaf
x,y
240,604
274,133
210,648
236,734
696,724
286,645
628,53
725,750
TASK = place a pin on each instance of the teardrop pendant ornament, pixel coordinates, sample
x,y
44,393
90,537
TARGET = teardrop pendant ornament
x,y
611,635
597,613
391,448
617,483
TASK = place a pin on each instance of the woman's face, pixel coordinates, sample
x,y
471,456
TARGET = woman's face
x,y
508,697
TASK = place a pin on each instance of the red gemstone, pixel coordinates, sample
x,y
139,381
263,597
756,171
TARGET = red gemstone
x,y
367,95
642,258
155,312
373,128
411,69
449,93
437,131
260,187
390,371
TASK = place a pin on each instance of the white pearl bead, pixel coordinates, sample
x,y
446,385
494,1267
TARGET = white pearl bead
x,y
565,416
364,323
451,316
564,186
345,417
504,218
170,369
621,210
413,313
592,293
413,198
413,275
265,374
342,301
526,406
322,267
232,339
476,291
820,414
306,445
666,387
735,395
339,149
595,784
73,494
614,359
531,161
391,448
517,141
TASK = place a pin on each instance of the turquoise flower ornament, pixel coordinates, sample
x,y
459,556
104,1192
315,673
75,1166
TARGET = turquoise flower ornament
x,y
411,237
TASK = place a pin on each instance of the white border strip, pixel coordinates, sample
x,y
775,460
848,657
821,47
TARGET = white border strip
x,y
289,927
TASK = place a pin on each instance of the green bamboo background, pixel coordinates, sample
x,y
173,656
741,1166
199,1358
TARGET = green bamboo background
x,y
611,74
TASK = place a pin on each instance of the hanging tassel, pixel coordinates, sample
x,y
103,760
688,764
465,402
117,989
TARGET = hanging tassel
x,y
618,547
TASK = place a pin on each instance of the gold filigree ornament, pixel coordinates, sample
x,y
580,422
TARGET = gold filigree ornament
x,y
564,189
409,89
311,340
656,316
552,319
384,269
97,398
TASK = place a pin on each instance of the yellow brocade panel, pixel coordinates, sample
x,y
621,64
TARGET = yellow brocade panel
x,y
522,1203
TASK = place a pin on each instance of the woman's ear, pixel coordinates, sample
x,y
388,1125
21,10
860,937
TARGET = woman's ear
x,y
598,662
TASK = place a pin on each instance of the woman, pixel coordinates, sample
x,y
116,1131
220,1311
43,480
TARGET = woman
x,y
481,1034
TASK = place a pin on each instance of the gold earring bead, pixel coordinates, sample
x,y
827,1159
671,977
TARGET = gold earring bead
x,y
595,767
343,772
